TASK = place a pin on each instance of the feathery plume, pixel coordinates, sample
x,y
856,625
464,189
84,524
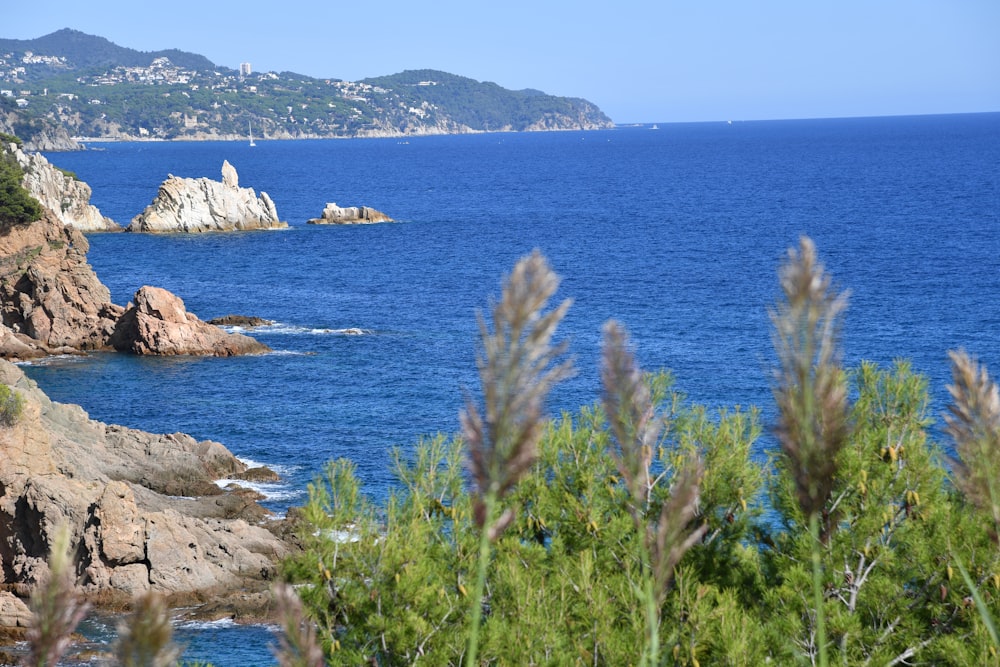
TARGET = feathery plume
x,y
145,637
974,424
56,609
517,368
810,390
636,430
298,646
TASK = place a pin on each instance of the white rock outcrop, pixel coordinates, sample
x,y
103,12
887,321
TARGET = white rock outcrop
x,y
66,196
351,215
202,205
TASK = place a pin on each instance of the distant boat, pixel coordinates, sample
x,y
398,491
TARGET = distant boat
x,y
655,127
251,133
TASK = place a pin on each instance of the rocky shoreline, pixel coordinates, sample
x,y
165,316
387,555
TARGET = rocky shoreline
x,y
143,510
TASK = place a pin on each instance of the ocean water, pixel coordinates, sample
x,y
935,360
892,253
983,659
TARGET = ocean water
x,y
676,232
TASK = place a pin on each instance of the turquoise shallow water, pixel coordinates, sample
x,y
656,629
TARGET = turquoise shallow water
x,y
676,232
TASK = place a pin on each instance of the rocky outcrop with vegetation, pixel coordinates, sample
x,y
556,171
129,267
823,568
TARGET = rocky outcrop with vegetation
x,y
351,215
204,205
62,193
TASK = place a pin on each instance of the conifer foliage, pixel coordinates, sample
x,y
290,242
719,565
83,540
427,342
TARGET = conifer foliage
x,y
645,529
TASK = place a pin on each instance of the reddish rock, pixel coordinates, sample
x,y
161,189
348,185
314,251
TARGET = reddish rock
x,y
49,293
159,324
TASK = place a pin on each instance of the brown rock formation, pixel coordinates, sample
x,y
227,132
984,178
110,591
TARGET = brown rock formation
x,y
352,215
105,483
51,302
159,324
49,294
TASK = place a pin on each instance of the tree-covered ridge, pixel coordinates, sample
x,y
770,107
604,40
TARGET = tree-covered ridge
x,y
481,105
94,88
83,51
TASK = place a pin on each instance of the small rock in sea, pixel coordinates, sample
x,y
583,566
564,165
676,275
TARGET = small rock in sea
x,y
245,321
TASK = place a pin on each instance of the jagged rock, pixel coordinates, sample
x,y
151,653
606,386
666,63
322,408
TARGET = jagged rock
x,y
352,215
57,466
159,324
14,613
48,291
65,196
245,321
204,205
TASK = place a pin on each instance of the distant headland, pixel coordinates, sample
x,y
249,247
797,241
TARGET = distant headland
x,y
69,84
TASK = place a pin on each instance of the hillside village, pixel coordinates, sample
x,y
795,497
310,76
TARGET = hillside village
x,y
175,95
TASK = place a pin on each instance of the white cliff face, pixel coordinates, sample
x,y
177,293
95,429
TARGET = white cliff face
x,y
67,197
204,205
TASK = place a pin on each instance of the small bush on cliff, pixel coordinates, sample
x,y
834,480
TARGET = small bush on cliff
x,y
11,406
17,206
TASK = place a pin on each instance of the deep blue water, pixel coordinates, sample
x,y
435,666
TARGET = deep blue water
x,y
676,232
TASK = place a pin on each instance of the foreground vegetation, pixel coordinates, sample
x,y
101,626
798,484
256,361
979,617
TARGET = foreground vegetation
x,y
643,530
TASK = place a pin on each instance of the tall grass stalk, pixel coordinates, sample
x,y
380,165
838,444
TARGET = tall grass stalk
x,y
637,430
811,394
298,645
56,608
145,637
518,365
973,422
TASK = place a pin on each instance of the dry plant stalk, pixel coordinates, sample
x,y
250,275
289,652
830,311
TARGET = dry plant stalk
x,y
517,368
810,390
636,430
974,424
145,637
298,646
56,608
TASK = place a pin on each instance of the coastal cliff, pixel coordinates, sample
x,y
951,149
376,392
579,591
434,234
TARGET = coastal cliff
x,y
52,302
204,205
143,509
62,193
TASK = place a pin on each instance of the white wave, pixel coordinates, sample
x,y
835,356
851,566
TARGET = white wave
x,y
52,360
282,470
270,490
291,329
222,624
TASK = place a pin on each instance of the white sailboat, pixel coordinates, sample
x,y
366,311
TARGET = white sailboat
x,y
250,128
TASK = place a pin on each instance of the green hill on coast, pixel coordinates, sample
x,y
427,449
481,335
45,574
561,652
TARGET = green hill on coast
x,y
93,88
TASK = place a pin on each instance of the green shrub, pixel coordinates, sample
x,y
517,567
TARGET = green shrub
x,y
17,206
11,406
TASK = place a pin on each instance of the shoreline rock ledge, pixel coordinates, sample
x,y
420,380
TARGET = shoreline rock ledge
x,y
195,205
145,511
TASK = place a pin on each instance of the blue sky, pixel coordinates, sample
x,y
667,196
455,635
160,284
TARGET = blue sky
x,y
639,60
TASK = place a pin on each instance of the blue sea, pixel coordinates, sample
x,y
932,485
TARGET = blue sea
x,y
677,232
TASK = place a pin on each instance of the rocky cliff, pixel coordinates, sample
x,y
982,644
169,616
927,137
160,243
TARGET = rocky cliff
x,y
204,205
143,509
63,194
50,297
352,215
51,302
